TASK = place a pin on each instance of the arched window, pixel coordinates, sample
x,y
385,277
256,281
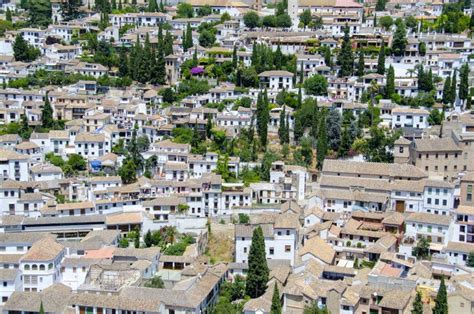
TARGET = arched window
x,y
50,266
42,267
27,267
34,267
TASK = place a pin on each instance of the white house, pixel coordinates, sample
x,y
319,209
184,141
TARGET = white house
x,y
409,118
41,265
276,80
13,166
433,227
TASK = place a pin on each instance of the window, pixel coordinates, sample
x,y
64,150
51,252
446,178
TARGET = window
x,y
469,193
271,251
287,248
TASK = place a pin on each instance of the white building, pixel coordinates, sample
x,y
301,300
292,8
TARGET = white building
x,y
276,80
409,118
41,265
281,239
13,166
433,227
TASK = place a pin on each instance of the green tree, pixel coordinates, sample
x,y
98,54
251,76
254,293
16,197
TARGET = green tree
x,y
470,259
188,38
399,40
436,117
39,12
251,19
346,143
22,51
77,162
152,6
441,302
464,82
8,15
25,130
386,22
282,127
422,248
417,306
380,5
316,85
148,239
447,91
207,38
328,57
205,10
422,49
381,60
41,310
257,275
155,282
305,18
454,86
345,59
70,9
123,63
263,117
322,142
128,171
361,65
390,86
185,10
47,120
276,302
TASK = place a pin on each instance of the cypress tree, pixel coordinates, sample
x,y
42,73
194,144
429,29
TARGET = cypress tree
x,y
346,143
390,87
120,5
114,4
464,82
278,57
417,307
447,91
441,302
282,126
322,142
160,67
381,60
301,74
254,58
263,116
41,309
399,40
47,114
257,276
375,20
162,7
276,302
195,57
123,64
234,57
345,59
8,15
300,98
168,49
421,78
188,38
380,5
429,81
328,57
454,84
152,6
361,65
287,129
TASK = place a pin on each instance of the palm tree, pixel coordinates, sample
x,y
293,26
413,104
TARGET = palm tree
x,y
411,72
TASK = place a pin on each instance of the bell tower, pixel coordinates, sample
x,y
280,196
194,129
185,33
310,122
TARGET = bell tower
x,y
293,8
